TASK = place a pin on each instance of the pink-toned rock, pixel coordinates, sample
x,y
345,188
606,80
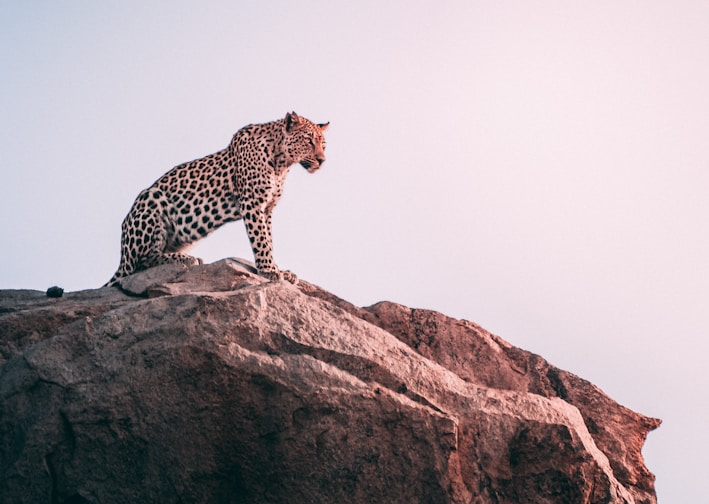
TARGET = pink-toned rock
x,y
210,384
485,359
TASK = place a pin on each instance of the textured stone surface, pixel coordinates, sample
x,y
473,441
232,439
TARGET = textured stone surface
x,y
209,384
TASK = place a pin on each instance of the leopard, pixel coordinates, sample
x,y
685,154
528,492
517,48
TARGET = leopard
x,y
243,181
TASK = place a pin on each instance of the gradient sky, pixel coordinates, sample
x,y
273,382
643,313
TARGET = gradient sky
x,y
538,167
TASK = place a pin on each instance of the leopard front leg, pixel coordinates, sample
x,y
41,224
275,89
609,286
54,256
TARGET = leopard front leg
x,y
258,228
287,275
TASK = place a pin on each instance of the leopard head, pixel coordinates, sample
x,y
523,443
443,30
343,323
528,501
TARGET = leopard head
x,y
304,142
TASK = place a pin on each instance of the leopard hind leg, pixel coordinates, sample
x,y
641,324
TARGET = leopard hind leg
x,y
164,249
158,258
148,237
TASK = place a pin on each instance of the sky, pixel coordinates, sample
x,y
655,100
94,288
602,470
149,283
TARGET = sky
x,y
537,167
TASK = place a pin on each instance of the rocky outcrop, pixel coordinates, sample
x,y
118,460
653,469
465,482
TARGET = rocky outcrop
x,y
210,384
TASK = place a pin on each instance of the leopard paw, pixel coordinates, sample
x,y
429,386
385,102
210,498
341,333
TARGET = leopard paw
x,y
289,276
275,276
188,260
272,276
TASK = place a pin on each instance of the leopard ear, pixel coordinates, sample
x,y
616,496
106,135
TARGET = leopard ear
x,y
323,126
292,119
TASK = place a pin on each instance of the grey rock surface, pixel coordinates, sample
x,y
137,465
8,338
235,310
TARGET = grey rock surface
x,y
210,384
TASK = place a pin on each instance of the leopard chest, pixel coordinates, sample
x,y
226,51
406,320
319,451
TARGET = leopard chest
x,y
261,189
274,192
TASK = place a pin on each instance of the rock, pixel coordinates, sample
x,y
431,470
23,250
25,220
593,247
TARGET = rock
x,y
480,357
55,292
210,384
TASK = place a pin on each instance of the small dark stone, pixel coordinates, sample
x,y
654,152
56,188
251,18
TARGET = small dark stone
x,y
55,292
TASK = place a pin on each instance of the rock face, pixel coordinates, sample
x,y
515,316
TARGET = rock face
x,y
210,384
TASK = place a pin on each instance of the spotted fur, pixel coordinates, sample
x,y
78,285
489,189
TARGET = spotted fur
x,y
243,181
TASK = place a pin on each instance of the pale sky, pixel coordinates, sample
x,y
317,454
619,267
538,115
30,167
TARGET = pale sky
x,y
537,167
